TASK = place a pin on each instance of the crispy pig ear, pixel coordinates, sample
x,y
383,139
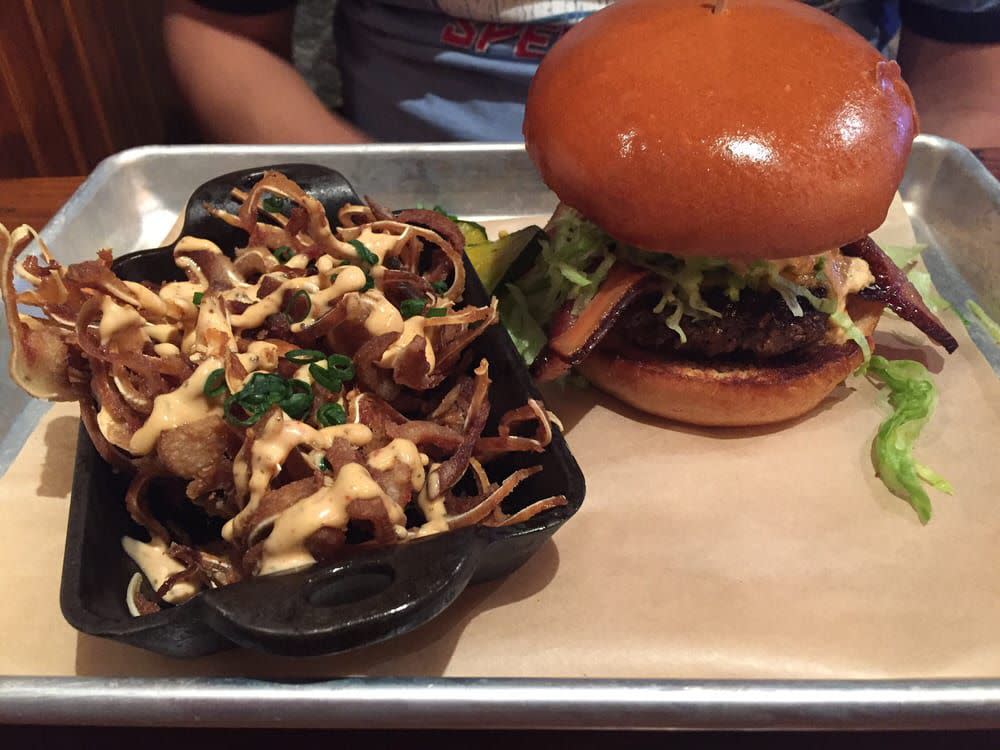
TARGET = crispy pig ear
x,y
39,354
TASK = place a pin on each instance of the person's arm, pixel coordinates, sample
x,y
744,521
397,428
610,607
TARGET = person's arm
x,y
234,72
951,61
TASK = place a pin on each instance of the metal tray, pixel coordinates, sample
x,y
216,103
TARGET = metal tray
x,y
132,200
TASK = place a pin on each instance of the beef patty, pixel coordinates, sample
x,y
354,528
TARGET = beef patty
x,y
759,324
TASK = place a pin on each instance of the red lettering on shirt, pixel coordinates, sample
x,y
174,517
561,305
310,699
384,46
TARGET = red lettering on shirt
x,y
493,33
459,33
536,40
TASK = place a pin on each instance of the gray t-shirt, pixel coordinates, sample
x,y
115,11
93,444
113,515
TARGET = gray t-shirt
x,y
433,70
441,70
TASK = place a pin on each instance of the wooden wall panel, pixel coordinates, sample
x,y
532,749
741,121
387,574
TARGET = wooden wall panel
x,y
79,80
15,155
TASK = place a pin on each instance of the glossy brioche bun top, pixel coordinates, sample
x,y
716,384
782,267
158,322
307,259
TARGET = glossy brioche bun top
x,y
768,129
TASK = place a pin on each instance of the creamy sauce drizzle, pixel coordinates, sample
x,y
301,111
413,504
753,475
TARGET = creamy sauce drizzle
x,y
166,350
383,317
433,508
380,243
158,566
412,327
164,333
401,451
270,450
285,548
179,407
178,299
255,315
347,279
213,332
115,319
259,356
148,299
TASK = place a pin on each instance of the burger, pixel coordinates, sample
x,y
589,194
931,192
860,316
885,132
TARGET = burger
x,y
719,168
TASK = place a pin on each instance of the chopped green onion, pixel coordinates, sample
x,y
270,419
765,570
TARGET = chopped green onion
x,y
435,312
264,383
325,377
198,297
440,286
411,307
299,386
215,383
274,204
283,253
304,356
262,391
331,414
324,465
363,252
340,365
253,415
296,405
290,307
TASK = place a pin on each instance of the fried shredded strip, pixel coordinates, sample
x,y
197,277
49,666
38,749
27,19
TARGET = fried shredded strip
x,y
317,392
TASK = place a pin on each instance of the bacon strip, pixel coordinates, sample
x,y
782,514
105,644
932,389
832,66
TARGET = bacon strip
x,y
894,290
574,338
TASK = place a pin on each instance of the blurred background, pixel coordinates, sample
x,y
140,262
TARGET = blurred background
x,y
83,79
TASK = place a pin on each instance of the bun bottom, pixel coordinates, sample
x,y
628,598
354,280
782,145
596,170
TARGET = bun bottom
x,y
700,393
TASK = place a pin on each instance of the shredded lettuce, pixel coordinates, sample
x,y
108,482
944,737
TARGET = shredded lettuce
x,y
576,260
904,255
580,254
921,281
673,322
906,258
912,397
991,326
524,330
842,320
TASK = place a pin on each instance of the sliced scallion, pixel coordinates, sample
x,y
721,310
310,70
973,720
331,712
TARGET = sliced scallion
x,y
364,253
304,356
274,204
341,366
325,377
331,414
215,383
300,294
410,307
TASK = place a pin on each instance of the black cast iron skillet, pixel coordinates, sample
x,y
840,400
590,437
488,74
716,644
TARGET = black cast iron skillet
x,y
366,598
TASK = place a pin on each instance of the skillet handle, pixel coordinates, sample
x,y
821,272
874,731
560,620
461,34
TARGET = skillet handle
x,y
355,602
